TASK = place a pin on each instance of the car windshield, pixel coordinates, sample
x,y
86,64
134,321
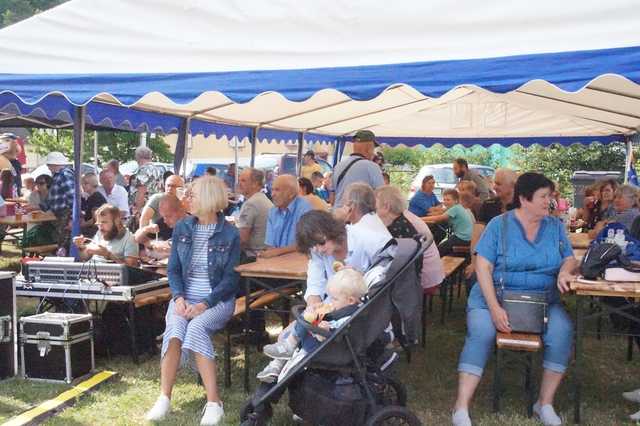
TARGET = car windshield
x,y
442,175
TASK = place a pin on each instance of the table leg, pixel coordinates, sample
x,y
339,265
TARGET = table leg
x,y
247,293
578,352
132,328
21,241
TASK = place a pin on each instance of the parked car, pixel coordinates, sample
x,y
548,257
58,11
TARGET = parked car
x,y
444,177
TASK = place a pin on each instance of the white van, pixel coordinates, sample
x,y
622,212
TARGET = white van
x,y
444,177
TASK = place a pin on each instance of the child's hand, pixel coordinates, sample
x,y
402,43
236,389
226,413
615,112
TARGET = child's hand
x,y
324,325
310,314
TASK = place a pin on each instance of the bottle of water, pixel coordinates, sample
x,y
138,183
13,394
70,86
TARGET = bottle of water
x,y
610,236
619,239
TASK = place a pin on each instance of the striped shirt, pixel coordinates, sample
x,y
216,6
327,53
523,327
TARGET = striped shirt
x,y
62,190
198,285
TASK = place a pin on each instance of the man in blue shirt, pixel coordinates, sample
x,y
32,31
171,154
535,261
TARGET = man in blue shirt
x,y
283,218
424,199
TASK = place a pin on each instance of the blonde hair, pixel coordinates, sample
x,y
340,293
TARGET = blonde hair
x,y
392,197
211,193
348,282
467,186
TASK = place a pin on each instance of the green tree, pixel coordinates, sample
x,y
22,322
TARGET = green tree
x,y
12,11
118,145
559,162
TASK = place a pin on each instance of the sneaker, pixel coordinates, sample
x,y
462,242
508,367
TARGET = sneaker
x,y
278,350
633,396
461,418
270,373
159,410
297,357
547,414
635,416
212,414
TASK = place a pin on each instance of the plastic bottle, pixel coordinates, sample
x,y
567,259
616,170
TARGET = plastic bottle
x,y
610,236
619,239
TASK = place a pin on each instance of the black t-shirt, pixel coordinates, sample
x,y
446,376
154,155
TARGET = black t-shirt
x,y
164,234
94,201
489,209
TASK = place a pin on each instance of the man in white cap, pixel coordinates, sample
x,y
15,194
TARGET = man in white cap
x,y
61,196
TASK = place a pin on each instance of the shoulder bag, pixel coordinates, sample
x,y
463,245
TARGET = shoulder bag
x,y
527,310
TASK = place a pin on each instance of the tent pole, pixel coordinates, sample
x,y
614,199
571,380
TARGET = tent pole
x,y
78,142
628,159
236,139
254,142
300,149
179,160
95,149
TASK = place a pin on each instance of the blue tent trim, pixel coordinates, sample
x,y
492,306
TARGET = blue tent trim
x,y
504,141
569,71
56,107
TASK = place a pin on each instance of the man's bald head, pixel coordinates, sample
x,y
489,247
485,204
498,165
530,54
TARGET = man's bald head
x,y
172,183
503,183
170,209
284,190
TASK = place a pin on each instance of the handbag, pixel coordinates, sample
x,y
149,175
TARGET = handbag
x,y
527,310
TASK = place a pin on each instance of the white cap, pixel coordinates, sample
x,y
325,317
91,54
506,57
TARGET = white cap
x,y
57,159
4,147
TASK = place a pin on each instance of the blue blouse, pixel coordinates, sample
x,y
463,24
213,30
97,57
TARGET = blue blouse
x,y
532,266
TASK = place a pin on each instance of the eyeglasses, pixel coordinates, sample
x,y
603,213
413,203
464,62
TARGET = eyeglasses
x,y
41,183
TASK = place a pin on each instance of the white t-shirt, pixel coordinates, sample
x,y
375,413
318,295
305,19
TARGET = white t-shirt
x,y
121,248
118,198
364,240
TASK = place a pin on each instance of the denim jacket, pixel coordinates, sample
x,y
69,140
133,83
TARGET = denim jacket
x,y
223,256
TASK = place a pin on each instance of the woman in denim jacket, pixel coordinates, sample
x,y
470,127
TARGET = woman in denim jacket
x,y
203,281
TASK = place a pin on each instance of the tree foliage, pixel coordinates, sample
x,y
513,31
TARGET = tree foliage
x,y
12,11
559,162
118,145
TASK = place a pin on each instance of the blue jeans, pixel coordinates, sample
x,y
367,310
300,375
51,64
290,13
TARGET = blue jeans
x,y
481,338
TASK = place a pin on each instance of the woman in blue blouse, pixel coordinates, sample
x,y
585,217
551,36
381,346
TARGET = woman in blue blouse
x,y
203,281
539,258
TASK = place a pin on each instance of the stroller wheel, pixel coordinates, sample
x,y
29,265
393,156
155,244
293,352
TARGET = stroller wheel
x,y
394,416
389,391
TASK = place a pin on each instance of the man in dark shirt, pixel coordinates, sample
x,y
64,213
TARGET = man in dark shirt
x,y
91,200
503,184
156,237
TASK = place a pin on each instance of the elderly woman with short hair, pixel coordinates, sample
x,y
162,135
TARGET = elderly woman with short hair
x,y
525,250
203,284
625,203
391,207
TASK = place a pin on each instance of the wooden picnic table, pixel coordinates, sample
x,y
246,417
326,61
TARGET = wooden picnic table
x,y
28,219
25,220
579,240
290,266
273,276
595,292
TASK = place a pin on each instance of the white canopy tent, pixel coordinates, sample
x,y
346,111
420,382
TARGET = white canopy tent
x,y
414,72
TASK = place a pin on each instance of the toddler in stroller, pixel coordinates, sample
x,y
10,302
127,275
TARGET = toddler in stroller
x,y
345,290
342,381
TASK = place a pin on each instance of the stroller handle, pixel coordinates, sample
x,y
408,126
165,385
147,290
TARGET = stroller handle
x,y
297,311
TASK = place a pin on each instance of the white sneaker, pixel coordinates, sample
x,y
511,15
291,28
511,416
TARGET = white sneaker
x,y
633,396
547,414
159,410
461,418
635,416
212,414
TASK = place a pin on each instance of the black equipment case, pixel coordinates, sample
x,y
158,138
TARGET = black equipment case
x,y
8,326
56,347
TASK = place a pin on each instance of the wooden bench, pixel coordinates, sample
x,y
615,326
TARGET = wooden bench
x,y
452,266
153,297
519,345
40,250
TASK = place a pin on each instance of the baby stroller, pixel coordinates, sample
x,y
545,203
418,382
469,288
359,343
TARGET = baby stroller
x,y
346,380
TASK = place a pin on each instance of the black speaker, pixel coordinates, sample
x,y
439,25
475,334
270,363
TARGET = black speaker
x,y
8,326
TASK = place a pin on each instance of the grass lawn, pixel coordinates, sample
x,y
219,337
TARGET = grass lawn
x,y
430,378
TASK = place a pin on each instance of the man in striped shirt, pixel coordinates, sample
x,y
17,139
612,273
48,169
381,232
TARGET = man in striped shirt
x,y
61,195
